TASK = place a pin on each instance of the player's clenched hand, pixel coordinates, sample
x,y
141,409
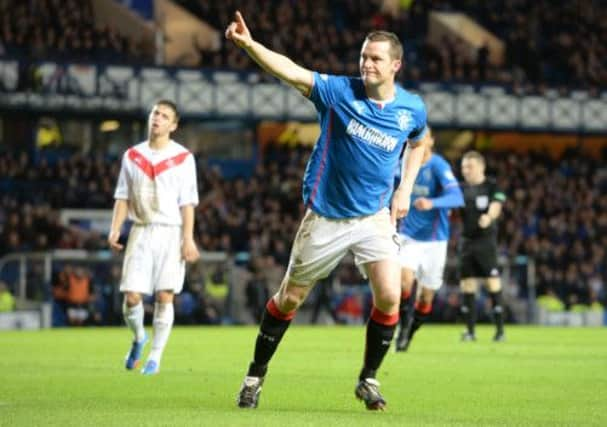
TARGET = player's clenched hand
x,y
423,204
189,251
401,201
484,221
112,240
238,32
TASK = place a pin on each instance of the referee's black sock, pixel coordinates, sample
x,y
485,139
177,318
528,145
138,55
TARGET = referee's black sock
x,y
380,331
469,311
273,326
498,310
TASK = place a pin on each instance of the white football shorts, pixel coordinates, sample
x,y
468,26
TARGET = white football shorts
x,y
426,259
152,260
322,242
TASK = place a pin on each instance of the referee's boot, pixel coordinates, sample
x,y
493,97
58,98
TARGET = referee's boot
x,y
248,396
467,337
499,336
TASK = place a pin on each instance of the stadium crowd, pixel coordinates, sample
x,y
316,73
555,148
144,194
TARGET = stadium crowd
x,y
556,213
62,31
546,43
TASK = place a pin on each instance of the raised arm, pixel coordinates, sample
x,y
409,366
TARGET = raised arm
x,y
274,63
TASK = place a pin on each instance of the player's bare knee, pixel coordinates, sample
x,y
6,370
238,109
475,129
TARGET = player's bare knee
x,y
494,284
164,297
290,297
406,280
468,285
426,295
289,303
131,299
386,300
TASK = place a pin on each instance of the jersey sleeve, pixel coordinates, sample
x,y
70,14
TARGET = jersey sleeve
x,y
445,174
327,89
122,187
188,194
451,195
497,195
420,118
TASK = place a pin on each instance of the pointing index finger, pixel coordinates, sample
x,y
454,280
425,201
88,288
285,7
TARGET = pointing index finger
x,y
239,18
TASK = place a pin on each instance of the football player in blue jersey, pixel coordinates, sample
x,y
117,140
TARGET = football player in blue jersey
x,y
348,190
424,236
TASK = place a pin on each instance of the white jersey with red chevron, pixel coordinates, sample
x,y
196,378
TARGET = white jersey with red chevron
x,y
157,183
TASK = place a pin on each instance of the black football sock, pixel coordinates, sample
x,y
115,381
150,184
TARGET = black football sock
x,y
380,331
469,311
420,315
405,301
498,311
273,326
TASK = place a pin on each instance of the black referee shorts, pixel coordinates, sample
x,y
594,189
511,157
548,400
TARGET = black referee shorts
x,y
478,258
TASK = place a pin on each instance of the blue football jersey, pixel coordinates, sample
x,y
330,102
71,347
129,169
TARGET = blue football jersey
x,y
435,181
350,172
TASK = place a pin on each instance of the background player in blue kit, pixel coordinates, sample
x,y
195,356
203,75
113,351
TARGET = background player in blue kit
x,y
424,237
347,189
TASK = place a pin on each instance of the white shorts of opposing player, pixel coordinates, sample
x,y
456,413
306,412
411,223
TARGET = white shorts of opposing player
x,y
321,243
425,259
152,260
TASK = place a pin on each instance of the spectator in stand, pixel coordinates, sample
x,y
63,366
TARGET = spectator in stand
x,y
257,289
62,31
533,58
74,290
7,300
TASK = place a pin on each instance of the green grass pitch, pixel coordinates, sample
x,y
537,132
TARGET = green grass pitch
x,y
75,377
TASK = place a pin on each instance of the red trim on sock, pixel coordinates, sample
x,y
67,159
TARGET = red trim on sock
x,y
275,312
422,307
383,318
405,295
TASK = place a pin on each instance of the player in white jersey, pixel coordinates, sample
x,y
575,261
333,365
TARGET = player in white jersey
x,y
157,190
348,190
425,234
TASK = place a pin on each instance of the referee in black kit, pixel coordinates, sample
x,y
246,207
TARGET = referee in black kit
x,y
478,252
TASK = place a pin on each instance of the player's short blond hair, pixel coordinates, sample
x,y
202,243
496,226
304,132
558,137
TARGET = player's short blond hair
x,y
474,155
396,47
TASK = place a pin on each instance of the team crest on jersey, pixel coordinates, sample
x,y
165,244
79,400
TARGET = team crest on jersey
x,y
359,106
427,174
404,119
